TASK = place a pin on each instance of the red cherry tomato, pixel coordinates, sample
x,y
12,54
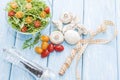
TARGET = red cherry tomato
x,y
37,24
47,10
24,29
11,13
51,47
45,53
59,48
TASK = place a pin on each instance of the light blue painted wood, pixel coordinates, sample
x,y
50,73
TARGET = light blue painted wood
x,y
99,61
57,59
6,41
29,54
16,72
118,38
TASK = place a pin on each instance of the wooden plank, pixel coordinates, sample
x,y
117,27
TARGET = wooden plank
x,y
18,74
57,59
6,40
118,37
99,61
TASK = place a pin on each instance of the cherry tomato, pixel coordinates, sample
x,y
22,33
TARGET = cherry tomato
x,y
24,29
13,5
11,13
59,48
44,45
28,20
37,24
45,53
38,50
44,38
43,14
51,47
19,14
47,10
28,0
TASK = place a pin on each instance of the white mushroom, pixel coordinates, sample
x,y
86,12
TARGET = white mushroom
x,y
75,20
69,27
66,17
72,37
58,24
56,37
81,29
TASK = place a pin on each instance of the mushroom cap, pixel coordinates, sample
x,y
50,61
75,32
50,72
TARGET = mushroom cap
x,y
72,37
66,17
56,37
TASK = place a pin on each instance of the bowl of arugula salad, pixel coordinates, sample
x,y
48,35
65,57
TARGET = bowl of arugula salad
x,y
28,16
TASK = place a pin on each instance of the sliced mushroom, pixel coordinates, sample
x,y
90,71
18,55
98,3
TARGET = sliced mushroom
x,y
75,20
66,17
81,29
58,24
69,27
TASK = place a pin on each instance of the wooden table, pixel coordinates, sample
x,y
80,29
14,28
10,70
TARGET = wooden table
x,y
99,62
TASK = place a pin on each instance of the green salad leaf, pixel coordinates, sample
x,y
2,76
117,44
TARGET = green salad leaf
x,y
19,12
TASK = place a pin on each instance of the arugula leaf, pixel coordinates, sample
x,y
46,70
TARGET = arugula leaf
x,y
36,40
29,43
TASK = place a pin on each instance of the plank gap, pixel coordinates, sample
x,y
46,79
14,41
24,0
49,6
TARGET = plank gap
x,y
11,66
117,52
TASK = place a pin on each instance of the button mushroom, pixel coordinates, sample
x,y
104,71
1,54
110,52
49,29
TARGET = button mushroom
x,y
72,37
56,37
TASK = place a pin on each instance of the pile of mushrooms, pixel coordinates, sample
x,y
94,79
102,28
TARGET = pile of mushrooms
x,y
68,29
